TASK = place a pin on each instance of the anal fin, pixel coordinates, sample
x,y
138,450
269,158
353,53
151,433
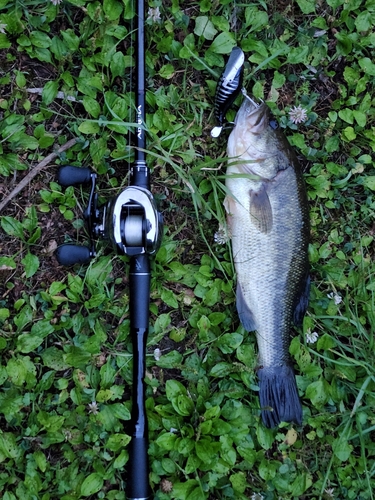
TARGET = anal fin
x,y
244,311
301,306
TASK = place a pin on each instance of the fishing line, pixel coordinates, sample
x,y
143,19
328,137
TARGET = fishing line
x,y
131,83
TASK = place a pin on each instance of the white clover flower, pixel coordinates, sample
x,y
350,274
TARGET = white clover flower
x,y
311,337
154,14
336,297
256,496
56,2
221,236
93,408
329,492
297,114
157,354
2,28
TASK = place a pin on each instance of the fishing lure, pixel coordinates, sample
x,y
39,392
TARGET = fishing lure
x,y
228,87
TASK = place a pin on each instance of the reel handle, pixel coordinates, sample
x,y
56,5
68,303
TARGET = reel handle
x,y
73,176
69,254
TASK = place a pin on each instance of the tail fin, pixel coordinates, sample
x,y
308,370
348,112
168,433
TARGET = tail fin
x,y
278,396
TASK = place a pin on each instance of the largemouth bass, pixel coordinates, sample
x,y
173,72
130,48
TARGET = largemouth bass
x,y
268,219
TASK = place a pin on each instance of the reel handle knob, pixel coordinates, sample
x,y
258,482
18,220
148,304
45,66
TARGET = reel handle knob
x,y
73,176
68,255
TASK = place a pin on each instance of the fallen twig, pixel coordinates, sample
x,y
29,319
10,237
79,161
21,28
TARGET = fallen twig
x,y
35,171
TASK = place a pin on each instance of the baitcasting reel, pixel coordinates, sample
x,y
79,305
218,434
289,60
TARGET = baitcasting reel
x,y
130,221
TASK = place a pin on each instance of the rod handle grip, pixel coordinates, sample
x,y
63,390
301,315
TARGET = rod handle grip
x,y
137,485
68,255
73,176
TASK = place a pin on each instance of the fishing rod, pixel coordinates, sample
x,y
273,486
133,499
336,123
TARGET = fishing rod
x,y
133,224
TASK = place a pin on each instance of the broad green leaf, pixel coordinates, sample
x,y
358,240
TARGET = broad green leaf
x,y
112,9
12,227
92,484
174,389
342,449
118,64
302,483
103,395
40,460
71,39
89,127
298,54
20,79
58,48
31,263
204,27
167,71
349,133
346,115
221,369
185,446
181,491
335,3
40,39
369,181
332,144
8,445
4,42
91,106
206,450
325,342
77,357
307,6
360,117
367,66
121,460
95,11
265,437
49,92
364,21
223,43
169,298
278,80
27,343
318,392
183,405
7,264
118,441
4,313
172,359
229,342
166,441
21,370
238,481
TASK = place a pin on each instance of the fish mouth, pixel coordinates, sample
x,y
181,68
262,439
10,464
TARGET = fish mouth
x,y
254,115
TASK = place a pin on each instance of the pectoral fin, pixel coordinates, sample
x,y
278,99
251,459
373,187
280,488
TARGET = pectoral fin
x,y
261,210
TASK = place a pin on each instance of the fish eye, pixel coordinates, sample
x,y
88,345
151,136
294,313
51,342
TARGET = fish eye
x,y
273,124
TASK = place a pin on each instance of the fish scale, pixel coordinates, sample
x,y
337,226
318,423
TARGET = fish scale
x,y
268,220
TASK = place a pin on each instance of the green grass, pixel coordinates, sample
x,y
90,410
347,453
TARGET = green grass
x,y
66,353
